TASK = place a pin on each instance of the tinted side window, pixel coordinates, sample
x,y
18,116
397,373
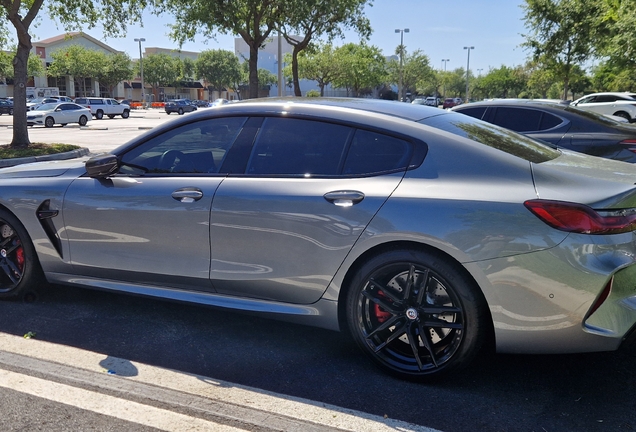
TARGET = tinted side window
x,y
96,102
548,121
372,152
476,112
193,148
605,98
517,119
298,147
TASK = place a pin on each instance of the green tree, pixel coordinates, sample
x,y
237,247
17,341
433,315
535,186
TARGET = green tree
x,y
504,82
563,34
253,20
78,61
417,74
220,68
34,65
114,15
318,64
161,70
360,68
116,68
187,70
303,20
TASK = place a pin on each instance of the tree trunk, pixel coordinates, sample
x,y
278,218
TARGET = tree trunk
x,y
20,61
297,91
253,71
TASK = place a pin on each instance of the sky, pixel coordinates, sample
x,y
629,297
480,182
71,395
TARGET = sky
x,y
440,29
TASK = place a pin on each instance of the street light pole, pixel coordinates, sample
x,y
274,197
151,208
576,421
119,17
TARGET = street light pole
x,y
401,32
444,91
141,71
468,68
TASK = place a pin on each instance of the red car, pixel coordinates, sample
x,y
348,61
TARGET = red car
x,y
451,102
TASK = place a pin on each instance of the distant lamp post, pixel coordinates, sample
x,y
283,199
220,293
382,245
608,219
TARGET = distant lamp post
x,y
444,61
468,68
401,32
141,71
479,71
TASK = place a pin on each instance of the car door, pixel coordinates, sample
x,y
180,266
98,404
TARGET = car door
x,y
281,228
150,222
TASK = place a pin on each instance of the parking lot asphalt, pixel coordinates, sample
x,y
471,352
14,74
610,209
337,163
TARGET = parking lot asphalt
x,y
98,136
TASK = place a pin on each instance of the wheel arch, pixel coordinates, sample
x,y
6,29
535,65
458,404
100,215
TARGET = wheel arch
x,y
624,114
403,245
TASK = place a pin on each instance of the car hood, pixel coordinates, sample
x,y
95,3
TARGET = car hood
x,y
597,182
44,169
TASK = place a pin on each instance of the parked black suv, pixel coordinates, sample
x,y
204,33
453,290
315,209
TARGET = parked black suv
x,y
179,106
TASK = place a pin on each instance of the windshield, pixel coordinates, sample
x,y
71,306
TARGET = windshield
x,y
46,107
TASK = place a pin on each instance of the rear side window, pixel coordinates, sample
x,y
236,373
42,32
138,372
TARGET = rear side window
x,y
295,146
307,148
517,119
96,102
372,152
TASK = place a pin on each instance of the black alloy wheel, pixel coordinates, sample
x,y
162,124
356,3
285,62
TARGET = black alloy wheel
x,y
415,314
19,268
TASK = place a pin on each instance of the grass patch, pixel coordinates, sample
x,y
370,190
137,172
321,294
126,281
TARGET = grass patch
x,y
35,149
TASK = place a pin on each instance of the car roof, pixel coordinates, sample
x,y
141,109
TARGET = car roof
x,y
407,111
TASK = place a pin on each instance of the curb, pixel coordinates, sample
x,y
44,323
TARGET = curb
x,y
58,156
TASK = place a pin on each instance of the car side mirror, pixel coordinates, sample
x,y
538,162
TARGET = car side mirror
x,y
102,166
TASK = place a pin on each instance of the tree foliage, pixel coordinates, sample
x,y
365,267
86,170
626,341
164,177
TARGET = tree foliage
x,y
304,20
220,68
78,61
253,20
114,15
317,64
161,70
360,68
563,34
115,69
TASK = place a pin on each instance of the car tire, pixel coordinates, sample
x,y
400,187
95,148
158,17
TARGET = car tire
x,y
125,114
99,114
180,111
399,296
20,271
11,111
83,120
623,114
111,116
49,122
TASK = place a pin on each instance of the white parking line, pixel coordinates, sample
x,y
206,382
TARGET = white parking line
x,y
108,405
236,403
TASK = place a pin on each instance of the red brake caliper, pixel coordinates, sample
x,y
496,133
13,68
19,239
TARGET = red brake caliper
x,y
380,314
19,257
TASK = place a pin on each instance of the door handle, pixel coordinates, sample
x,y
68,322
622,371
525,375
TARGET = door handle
x,y
187,195
344,198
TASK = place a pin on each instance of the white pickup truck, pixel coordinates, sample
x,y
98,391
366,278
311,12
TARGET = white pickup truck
x,y
104,106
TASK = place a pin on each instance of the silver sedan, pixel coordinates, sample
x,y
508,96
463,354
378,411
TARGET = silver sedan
x,y
426,234
63,113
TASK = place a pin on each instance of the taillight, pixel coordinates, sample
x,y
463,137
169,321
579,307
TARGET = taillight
x,y
630,144
578,218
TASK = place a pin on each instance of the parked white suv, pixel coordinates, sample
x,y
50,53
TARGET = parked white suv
x,y
609,103
104,106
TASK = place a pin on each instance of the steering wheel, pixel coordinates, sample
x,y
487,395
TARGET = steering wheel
x,y
168,158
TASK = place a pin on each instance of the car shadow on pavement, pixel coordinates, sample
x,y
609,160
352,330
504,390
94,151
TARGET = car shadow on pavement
x,y
498,392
